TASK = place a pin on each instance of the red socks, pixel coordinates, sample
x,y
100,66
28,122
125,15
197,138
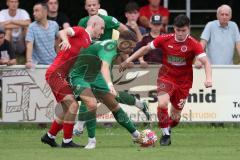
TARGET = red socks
x,y
163,117
173,123
55,128
67,130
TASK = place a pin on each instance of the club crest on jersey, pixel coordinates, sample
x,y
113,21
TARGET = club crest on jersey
x,y
184,48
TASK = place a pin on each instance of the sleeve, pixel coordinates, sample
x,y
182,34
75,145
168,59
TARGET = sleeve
x,y
206,32
10,51
83,22
111,22
157,42
78,30
236,33
30,34
108,52
25,15
198,50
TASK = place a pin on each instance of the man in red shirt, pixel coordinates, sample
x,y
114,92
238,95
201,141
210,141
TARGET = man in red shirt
x,y
176,75
153,8
73,39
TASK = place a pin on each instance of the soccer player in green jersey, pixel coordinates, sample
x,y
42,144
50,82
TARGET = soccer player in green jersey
x,y
111,23
90,77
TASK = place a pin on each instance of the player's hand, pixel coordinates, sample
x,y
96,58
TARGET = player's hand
x,y
65,45
123,66
112,89
143,64
208,83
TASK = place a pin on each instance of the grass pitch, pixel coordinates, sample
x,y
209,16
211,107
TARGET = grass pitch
x,y
189,142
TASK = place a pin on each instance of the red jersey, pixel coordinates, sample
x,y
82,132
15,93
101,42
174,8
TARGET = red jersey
x,y
65,59
177,57
147,12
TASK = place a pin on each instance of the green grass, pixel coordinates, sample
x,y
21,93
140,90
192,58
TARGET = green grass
x,y
189,142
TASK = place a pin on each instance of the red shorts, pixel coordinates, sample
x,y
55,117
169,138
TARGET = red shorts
x,y
59,85
178,93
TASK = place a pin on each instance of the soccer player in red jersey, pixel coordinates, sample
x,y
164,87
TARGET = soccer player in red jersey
x,y
175,76
73,39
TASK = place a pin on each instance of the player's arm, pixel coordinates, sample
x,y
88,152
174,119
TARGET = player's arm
x,y
122,28
197,63
107,76
208,70
139,53
63,35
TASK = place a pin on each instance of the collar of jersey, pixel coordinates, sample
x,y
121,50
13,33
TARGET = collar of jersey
x,y
182,40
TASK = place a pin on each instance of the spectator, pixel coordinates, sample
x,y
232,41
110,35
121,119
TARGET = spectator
x,y
146,12
220,37
92,7
54,15
154,56
41,37
6,55
15,22
132,14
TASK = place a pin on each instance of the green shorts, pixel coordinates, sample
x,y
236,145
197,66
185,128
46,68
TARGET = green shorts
x,y
78,84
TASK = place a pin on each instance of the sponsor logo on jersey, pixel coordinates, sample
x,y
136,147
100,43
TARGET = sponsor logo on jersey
x,y
176,61
184,48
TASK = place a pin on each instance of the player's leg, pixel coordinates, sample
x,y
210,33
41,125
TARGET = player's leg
x,y
175,116
79,125
69,120
56,126
121,117
89,100
178,100
102,92
165,90
126,98
163,118
58,89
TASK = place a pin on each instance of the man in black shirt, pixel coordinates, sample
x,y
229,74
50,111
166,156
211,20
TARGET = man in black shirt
x,y
7,56
53,14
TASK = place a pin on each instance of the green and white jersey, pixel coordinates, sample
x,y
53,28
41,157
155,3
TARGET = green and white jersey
x,y
89,61
110,24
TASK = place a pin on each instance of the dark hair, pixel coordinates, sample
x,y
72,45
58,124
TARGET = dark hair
x,y
131,6
181,21
46,1
99,1
43,4
128,35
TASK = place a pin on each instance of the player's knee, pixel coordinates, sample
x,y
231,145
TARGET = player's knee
x,y
162,104
74,108
91,104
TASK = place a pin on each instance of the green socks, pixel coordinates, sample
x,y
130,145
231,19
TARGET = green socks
x,y
122,118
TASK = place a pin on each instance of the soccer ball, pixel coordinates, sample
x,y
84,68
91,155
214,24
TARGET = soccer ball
x,y
148,138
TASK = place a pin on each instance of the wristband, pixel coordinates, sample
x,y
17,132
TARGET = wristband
x,y
110,84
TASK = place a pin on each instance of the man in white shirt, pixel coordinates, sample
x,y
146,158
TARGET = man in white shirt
x,y
15,22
